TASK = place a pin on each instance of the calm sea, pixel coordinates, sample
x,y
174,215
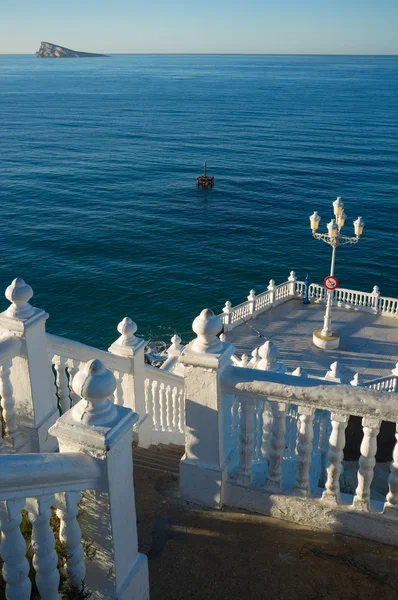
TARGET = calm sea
x,y
99,209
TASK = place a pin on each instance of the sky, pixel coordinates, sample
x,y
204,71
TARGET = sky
x,y
202,26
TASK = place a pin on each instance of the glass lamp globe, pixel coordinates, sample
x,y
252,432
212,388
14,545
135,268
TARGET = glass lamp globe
x,y
358,226
314,221
338,206
332,229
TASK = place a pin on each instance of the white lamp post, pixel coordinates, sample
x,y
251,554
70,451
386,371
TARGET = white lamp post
x,y
326,338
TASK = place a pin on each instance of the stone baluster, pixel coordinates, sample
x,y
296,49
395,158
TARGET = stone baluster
x,y
169,408
8,404
391,505
292,279
258,433
244,360
181,411
104,430
34,392
13,551
367,462
174,416
72,367
252,302
375,299
276,445
335,456
148,396
227,314
271,289
235,419
246,439
118,396
156,405
267,427
304,449
45,559
162,407
62,383
70,534
255,357
300,372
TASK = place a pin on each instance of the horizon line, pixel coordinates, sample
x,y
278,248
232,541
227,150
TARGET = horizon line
x,y
216,54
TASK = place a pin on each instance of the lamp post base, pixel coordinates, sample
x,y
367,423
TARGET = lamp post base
x,y
325,342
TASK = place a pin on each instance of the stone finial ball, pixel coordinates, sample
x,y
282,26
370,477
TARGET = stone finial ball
x,y
127,327
268,351
19,292
207,323
94,381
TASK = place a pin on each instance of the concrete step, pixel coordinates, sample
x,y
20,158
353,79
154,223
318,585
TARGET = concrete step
x,y
162,458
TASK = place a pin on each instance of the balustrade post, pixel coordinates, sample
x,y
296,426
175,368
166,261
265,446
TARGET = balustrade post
x,y
175,347
276,446
292,279
98,427
133,385
31,374
391,505
252,303
271,288
304,449
367,462
375,299
226,318
204,467
13,551
13,435
335,456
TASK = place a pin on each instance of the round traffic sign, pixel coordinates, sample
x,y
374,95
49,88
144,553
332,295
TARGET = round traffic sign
x,y
330,282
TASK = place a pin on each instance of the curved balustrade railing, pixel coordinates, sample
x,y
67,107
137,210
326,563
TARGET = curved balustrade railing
x,y
383,384
232,316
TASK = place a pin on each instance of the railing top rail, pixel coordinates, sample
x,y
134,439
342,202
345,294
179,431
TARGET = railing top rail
x,y
328,395
163,376
68,348
381,379
25,475
388,298
10,346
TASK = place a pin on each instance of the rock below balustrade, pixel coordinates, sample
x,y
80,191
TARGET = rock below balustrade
x,y
48,50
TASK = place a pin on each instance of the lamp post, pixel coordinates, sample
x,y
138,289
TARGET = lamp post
x,y
326,338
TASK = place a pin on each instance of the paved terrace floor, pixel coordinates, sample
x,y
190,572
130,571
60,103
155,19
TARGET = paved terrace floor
x,y
199,554
368,344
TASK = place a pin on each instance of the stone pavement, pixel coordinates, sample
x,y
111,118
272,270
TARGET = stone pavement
x,y
198,554
369,343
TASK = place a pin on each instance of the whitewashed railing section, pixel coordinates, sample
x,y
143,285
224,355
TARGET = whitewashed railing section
x,y
165,403
232,316
95,439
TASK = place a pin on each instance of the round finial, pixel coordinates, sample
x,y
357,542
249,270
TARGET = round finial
x,y
394,371
357,381
127,329
175,341
227,308
19,293
271,284
94,383
244,361
334,372
223,337
292,276
252,295
376,289
268,351
300,372
207,326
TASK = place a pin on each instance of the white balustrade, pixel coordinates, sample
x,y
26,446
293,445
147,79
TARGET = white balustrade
x,y
13,550
8,403
62,383
164,403
276,445
246,439
67,505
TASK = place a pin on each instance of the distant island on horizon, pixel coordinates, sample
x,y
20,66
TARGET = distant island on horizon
x,y
48,50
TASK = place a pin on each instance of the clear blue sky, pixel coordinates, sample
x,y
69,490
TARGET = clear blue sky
x,y
208,26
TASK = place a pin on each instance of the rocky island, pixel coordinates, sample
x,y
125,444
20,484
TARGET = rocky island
x,y
48,50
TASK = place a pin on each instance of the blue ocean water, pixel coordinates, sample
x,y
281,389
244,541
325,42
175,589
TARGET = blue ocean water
x,y
99,209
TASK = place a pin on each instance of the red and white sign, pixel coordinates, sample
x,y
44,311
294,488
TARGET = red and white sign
x,y
330,282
